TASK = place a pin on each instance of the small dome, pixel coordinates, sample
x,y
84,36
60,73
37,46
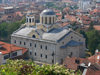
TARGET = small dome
x,y
47,12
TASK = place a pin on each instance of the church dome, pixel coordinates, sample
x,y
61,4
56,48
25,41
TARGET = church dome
x,y
47,12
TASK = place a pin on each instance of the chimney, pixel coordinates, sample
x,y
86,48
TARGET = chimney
x,y
98,59
96,51
0,58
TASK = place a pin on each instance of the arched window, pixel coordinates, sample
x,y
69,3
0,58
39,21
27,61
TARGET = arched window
x,y
30,20
34,36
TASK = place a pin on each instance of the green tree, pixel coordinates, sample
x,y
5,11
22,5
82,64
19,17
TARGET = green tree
x,y
92,40
6,29
91,26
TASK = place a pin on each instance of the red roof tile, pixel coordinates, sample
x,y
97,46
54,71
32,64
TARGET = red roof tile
x,y
7,48
71,64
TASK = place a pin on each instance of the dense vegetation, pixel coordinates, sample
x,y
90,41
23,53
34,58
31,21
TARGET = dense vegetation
x,y
6,29
21,67
92,39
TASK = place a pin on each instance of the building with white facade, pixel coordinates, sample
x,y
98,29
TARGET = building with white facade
x,y
86,4
47,41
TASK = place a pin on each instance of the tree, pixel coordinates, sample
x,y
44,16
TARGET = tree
x,y
92,40
98,47
91,26
6,29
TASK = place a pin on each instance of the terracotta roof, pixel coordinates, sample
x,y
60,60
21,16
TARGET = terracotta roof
x,y
7,48
19,13
95,58
97,27
71,18
93,70
58,14
70,63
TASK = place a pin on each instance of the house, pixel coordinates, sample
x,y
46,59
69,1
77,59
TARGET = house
x,y
9,51
88,66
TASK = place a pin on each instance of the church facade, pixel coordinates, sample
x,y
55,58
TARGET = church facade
x,y
46,41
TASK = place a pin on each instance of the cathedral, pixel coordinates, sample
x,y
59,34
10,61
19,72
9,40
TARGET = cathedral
x,y
46,41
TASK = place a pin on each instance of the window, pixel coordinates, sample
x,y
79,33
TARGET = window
x,y
20,42
15,41
62,42
61,61
35,53
30,44
14,54
71,54
71,37
41,55
77,61
53,54
46,47
6,56
30,53
49,20
45,20
24,43
34,36
41,46
30,20
46,56
35,45
52,61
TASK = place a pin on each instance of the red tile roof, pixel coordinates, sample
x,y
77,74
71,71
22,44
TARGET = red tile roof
x,y
7,48
97,27
93,70
71,64
19,13
71,18
94,58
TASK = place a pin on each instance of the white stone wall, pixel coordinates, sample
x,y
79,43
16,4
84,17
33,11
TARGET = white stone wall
x,y
37,49
59,53
78,51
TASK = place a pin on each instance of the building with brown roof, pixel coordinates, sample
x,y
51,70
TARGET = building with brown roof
x,y
88,66
10,51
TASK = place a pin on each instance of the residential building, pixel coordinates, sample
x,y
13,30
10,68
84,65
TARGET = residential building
x,y
88,66
9,51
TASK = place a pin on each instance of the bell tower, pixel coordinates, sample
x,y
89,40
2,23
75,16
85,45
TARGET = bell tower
x,y
30,19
